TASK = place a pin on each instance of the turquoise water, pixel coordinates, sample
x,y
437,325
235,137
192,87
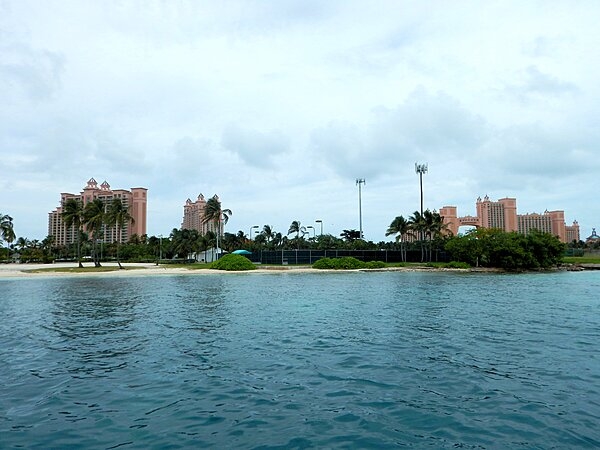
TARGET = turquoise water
x,y
343,360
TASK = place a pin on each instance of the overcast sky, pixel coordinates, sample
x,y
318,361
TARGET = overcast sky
x,y
279,106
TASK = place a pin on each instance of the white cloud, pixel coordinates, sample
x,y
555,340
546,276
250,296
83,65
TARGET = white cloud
x,y
278,107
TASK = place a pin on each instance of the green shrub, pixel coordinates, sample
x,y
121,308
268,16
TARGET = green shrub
x,y
457,265
324,263
233,263
346,263
375,265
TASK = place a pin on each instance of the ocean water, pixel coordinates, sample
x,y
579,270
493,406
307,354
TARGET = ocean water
x,y
287,360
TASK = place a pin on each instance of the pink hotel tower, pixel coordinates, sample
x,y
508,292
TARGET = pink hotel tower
x,y
135,199
503,215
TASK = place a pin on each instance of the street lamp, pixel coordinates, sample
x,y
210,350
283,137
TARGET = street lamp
x,y
321,222
359,182
313,228
252,228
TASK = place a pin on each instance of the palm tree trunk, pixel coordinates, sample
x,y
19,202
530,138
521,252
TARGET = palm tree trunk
x,y
119,230
79,248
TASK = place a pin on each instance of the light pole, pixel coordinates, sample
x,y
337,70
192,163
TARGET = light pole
x,y
421,169
359,182
321,222
313,228
252,228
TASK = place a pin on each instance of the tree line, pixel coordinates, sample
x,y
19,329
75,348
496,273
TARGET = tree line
x,y
426,233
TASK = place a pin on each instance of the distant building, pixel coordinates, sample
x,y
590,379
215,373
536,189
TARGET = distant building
x,y
502,215
594,239
193,216
136,200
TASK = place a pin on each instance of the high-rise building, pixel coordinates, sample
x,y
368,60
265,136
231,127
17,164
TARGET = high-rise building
x,y
503,215
136,200
193,216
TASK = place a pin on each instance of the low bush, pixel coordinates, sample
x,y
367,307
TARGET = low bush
x,y
457,265
324,263
233,263
375,265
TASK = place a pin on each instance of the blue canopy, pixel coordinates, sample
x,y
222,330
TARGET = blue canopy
x,y
241,252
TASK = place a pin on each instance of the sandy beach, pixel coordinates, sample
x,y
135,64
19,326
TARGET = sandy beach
x,y
132,269
151,269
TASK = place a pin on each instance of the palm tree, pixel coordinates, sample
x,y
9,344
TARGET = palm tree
x,y
350,235
213,212
434,227
7,231
185,242
117,216
297,228
94,218
72,215
418,225
400,227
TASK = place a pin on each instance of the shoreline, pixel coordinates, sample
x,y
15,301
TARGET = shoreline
x,y
15,270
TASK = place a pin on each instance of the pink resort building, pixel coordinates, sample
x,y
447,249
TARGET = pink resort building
x,y
193,216
136,200
502,214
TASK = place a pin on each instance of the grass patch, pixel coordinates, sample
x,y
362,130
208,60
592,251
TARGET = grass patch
x,y
581,259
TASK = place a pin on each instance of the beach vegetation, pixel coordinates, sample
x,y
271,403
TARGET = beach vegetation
x,y
506,250
117,216
72,215
346,263
94,217
232,262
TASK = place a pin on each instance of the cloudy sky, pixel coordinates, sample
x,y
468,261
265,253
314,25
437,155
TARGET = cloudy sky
x,y
279,106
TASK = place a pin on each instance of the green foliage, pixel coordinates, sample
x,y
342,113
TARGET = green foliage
x,y
233,262
375,265
457,265
346,263
509,251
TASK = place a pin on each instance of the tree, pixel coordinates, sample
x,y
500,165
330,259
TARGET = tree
x,y
185,242
400,227
296,227
433,228
72,215
117,216
94,219
213,212
350,235
419,225
7,231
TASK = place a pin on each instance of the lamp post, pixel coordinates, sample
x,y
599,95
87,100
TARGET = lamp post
x,y
313,228
320,222
252,228
359,182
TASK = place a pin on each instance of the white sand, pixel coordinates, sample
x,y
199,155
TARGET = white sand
x,y
133,269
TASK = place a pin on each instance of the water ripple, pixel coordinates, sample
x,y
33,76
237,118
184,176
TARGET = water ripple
x,y
301,361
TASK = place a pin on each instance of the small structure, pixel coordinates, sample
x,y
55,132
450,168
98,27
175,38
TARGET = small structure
x,y
209,255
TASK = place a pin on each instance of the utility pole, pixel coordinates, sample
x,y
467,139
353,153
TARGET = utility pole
x,y
359,182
